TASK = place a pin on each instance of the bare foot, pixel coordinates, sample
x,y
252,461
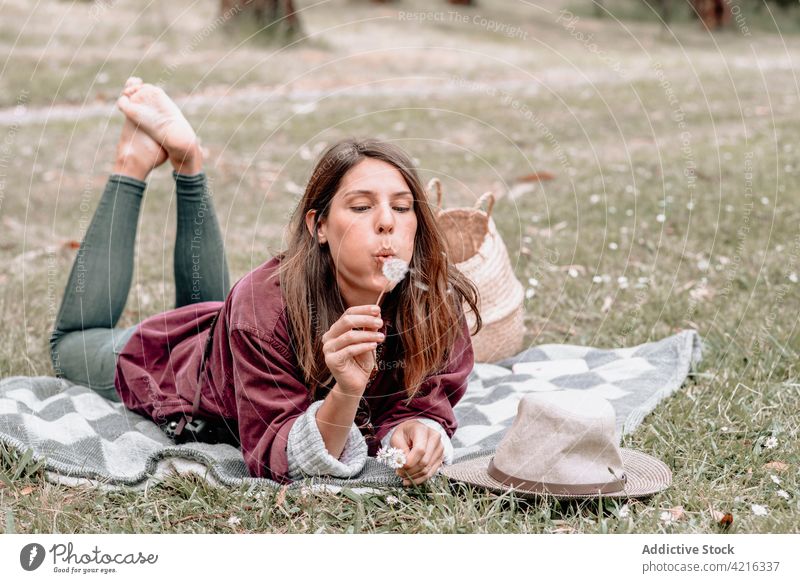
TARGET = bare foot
x,y
152,110
137,153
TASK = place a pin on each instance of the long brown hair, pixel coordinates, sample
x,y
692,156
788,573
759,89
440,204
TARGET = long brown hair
x,y
427,304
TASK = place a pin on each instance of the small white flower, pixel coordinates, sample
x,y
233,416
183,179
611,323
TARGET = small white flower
x,y
594,199
613,246
703,264
724,428
690,205
764,200
529,293
758,510
622,281
573,273
793,277
660,218
234,520
533,281
392,457
597,279
775,479
667,517
783,494
392,500
771,442
624,511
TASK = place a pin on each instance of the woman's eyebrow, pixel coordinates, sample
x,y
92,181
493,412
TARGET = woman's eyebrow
x,y
372,193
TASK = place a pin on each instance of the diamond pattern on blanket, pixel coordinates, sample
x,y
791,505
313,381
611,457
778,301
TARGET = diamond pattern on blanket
x,y
497,412
82,438
532,385
92,406
8,406
472,435
578,381
67,430
548,370
125,450
608,391
624,369
28,398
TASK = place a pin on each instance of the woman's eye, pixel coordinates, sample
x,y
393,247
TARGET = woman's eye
x,y
402,209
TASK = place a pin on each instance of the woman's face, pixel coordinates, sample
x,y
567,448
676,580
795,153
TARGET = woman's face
x,y
372,213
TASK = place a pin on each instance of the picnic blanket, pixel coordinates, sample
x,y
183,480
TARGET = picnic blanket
x,y
86,439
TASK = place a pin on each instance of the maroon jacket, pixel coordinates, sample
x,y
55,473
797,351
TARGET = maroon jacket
x,y
252,375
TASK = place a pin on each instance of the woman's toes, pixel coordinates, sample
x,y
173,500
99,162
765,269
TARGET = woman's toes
x,y
131,84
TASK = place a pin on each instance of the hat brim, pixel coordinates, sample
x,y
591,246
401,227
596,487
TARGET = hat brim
x,y
646,476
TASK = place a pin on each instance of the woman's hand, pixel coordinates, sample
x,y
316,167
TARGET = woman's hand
x,y
348,346
423,448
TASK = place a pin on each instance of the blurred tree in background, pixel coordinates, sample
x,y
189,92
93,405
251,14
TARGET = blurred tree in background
x,y
274,19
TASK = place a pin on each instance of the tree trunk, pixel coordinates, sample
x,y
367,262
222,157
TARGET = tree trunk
x,y
271,17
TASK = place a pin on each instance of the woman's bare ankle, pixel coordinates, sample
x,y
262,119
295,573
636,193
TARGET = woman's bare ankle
x,y
190,163
127,166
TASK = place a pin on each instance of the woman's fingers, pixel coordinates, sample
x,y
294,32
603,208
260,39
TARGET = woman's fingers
x,y
350,338
428,465
349,320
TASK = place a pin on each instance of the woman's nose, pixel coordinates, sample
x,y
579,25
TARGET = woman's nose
x,y
385,219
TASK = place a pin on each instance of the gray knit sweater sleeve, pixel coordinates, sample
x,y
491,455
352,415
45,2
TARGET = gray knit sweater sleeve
x,y
446,443
308,456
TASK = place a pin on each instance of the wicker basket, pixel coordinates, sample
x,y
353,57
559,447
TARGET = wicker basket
x,y
478,251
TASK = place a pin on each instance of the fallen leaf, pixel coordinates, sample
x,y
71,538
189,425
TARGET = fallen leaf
x,y
777,466
26,491
674,514
536,177
281,497
723,519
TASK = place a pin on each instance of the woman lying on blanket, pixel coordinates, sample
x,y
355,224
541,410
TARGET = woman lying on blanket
x,y
297,363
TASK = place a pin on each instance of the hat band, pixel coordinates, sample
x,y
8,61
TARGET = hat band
x,y
561,489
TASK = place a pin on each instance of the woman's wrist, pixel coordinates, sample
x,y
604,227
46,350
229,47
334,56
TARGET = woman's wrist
x,y
335,418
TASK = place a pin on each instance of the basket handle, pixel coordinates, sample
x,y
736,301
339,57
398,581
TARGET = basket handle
x,y
436,185
484,197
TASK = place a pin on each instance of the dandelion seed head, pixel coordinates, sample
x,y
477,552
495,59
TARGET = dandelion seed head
x,y
395,269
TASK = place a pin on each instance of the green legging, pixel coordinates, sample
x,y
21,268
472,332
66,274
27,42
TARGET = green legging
x,y
85,343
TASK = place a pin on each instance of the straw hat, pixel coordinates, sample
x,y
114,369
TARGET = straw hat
x,y
563,443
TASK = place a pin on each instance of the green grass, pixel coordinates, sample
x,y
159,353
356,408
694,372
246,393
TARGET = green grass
x,y
600,135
